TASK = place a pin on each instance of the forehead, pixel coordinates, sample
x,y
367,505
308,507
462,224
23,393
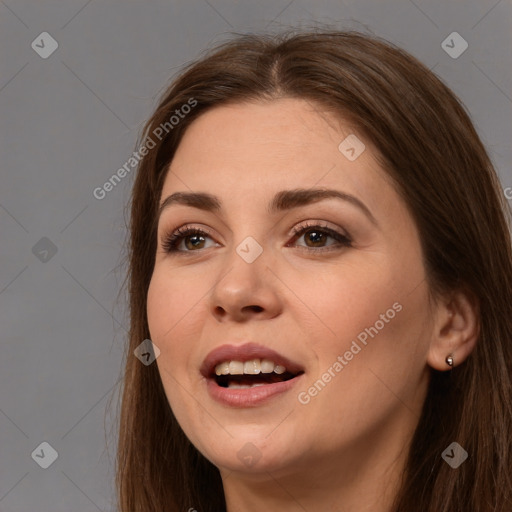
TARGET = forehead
x,y
286,127
255,149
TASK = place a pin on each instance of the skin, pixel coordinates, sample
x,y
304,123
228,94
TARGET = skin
x,y
345,449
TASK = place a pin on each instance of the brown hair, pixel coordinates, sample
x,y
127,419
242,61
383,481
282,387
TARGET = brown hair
x,y
427,144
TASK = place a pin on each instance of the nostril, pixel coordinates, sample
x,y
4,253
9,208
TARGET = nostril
x,y
258,309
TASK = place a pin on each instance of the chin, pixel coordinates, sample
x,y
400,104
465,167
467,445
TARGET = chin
x,y
250,450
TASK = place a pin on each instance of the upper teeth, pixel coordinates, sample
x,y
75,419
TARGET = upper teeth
x,y
252,367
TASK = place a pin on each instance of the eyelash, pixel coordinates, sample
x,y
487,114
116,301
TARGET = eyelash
x,y
170,242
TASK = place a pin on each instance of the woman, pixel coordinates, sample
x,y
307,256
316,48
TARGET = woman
x,y
321,258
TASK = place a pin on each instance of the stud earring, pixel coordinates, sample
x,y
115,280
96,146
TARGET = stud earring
x,y
449,360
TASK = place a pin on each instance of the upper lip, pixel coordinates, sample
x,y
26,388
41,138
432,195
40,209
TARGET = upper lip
x,y
243,353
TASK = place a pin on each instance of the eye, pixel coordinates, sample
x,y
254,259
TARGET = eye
x,y
316,237
191,238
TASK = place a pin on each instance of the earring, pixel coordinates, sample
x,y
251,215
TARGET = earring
x,y
449,360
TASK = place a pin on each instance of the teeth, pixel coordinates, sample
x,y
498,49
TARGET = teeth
x,y
232,385
279,369
222,368
252,367
267,366
236,368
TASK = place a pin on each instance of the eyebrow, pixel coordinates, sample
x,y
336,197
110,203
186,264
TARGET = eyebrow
x,y
282,201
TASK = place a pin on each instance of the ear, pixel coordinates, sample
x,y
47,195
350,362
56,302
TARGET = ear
x,y
456,328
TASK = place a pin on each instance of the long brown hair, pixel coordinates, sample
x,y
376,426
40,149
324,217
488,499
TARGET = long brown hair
x,y
427,144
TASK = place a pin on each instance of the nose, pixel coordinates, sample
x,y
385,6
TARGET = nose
x,y
245,291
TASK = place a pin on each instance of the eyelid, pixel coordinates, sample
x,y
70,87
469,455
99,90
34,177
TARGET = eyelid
x,y
317,223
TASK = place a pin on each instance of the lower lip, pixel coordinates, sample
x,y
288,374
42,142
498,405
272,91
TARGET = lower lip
x,y
249,397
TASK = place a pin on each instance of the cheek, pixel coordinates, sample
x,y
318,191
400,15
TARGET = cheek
x,y
342,302
158,312
378,374
171,303
171,312
172,319
381,335
374,314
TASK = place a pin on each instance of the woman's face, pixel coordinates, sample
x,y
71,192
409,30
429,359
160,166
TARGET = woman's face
x,y
313,309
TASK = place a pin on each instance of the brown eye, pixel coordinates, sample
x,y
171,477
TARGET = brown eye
x,y
318,236
195,241
190,238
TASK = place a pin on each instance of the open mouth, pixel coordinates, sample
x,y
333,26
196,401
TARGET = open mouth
x,y
250,374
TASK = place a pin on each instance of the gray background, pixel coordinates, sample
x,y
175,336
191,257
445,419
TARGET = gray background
x,y
69,122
